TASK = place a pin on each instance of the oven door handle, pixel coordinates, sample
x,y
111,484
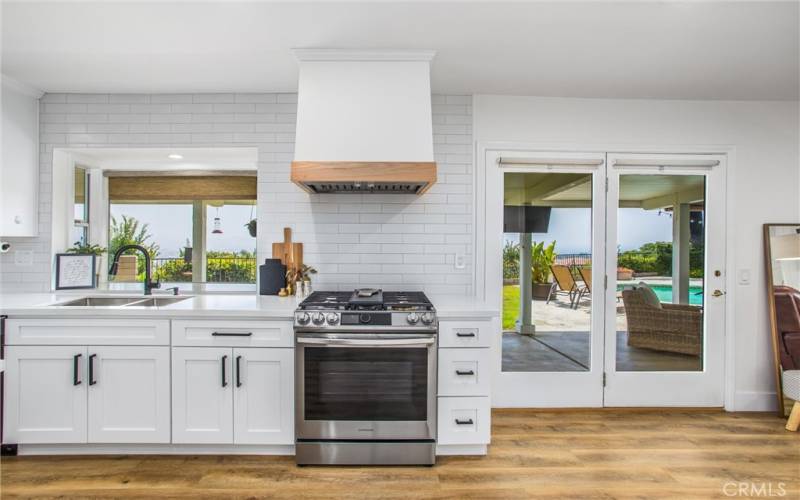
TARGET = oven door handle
x,y
409,342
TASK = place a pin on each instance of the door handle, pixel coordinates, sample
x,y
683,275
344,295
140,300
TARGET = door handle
x,y
92,381
76,366
238,374
717,293
465,334
224,376
231,334
465,372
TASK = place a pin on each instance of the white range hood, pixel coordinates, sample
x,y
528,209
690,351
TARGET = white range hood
x,y
364,122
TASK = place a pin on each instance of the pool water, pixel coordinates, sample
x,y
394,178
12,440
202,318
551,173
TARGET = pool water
x,y
664,293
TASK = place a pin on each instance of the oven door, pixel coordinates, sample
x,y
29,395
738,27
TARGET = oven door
x,y
365,386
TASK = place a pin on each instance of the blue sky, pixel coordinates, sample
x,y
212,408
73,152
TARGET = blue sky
x,y
571,229
171,225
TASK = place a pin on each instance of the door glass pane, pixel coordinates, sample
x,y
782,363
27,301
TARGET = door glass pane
x,y
368,384
547,278
661,265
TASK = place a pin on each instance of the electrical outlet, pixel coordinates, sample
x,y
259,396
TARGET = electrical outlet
x,y
23,258
460,261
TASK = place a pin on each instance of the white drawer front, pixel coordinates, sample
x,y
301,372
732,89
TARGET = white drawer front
x,y
464,372
70,331
464,421
465,333
232,333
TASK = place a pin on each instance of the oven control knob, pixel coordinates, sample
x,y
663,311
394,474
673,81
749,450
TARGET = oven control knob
x,y
318,318
364,318
332,318
303,318
428,318
412,318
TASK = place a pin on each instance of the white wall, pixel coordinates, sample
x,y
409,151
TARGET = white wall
x,y
763,185
394,241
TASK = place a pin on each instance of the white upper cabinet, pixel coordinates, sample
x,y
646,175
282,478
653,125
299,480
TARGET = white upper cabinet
x,y
19,164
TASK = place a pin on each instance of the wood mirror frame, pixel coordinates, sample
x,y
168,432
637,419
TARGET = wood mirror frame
x,y
773,319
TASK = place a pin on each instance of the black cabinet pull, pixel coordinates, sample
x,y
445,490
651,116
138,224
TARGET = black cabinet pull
x,y
465,372
92,381
224,377
75,369
465,334
464,422
238,375
231,334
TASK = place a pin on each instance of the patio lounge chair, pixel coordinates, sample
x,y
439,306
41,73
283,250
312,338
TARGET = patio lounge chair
x,y
586,275
564,283
662,327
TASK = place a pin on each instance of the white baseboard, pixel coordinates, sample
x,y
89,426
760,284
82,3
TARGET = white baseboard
x,y
754,401
201,449
461,449
153,449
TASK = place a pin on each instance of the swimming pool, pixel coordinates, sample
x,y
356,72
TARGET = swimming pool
x,y
664,293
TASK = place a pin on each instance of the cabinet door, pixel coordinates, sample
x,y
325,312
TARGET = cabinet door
x,y
19,162
202,399
263,396
128,394
45,394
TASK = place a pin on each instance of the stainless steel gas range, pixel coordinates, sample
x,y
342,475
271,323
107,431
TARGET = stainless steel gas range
x,y
365,381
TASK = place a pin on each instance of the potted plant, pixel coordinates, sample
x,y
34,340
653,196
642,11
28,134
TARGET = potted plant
x,y
624,274
542,257
251,227
80,248
299,276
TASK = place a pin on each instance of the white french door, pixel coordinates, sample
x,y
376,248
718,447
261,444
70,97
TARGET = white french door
x,y
673,354
579,345
555,358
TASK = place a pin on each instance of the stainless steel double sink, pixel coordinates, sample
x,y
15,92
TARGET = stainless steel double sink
x,y
121,301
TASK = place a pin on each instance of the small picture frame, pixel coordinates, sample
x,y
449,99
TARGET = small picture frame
x,y
75,271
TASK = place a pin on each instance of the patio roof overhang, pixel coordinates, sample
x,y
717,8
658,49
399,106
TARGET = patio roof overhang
x,y
649,192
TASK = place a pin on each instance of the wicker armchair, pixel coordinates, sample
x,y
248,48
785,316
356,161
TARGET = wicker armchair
x,y
671,327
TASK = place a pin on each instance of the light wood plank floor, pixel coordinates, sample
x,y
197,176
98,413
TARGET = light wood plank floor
x,y
534,454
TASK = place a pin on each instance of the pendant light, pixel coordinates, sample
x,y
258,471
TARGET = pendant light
x,y
217,224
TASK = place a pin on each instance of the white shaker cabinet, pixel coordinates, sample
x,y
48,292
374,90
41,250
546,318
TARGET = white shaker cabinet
x,y
45,394
19,162
263,396
202,400
128,394
223,395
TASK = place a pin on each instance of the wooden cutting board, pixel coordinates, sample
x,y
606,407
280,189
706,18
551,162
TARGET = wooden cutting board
x,y
291,254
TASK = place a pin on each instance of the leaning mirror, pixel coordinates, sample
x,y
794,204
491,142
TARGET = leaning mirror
x,y
782,257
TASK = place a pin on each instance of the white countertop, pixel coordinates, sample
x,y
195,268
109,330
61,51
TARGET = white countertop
x,y
210,305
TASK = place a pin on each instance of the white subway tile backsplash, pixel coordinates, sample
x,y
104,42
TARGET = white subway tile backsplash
x,y
392,241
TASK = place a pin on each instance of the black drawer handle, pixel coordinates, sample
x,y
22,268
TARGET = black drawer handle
x,y
232,334
464,422
92,381
76,366
465,334
224,376
465,372
238,374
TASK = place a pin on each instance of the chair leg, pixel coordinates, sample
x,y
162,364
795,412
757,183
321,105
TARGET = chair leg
x,y
550,295
794,418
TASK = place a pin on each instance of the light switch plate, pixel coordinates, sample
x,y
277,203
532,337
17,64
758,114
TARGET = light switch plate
x,y
460,261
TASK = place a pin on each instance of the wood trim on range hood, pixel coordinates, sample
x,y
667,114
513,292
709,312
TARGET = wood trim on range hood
x,y
364,176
